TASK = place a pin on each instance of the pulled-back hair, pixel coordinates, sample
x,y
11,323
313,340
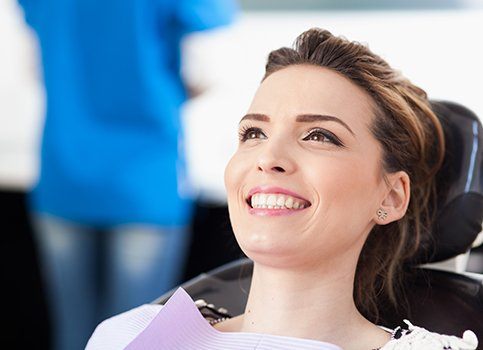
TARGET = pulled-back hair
x,y
412,140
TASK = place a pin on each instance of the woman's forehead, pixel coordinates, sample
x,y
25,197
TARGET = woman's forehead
x,y
307,89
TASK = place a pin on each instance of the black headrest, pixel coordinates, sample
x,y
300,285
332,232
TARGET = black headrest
x,y
459,184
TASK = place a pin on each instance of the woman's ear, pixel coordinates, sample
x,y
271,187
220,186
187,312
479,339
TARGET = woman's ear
x,y
396,200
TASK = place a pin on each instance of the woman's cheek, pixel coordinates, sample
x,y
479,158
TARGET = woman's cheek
x,y
230,172
235,173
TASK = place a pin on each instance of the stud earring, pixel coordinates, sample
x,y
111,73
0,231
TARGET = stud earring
x,y
381,214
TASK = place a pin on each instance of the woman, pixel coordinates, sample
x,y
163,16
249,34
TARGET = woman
x,y
330,191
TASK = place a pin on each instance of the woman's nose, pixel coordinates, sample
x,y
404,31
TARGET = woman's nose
x,y
275,161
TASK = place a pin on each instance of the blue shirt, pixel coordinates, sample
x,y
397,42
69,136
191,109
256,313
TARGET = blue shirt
x,y
111,144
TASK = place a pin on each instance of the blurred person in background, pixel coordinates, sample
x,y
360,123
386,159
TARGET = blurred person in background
x,y
24,311
112,204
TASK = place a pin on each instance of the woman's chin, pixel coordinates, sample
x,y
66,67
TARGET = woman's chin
x,y
268,251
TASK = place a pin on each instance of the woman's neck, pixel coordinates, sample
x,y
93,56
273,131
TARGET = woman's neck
x,y
312,303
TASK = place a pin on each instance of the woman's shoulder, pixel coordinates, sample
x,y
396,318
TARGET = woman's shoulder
x,y
418,338
118,331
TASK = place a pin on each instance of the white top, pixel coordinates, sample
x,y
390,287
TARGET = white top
x,y
179,325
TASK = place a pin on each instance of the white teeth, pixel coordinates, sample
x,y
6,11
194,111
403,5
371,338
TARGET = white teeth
x,y
262,199
276,201
272,200
289,203
254,201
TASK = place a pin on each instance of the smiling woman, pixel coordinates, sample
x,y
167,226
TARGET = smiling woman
x,y
332,76
331,190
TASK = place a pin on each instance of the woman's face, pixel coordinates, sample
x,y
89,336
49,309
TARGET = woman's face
x,y
306,180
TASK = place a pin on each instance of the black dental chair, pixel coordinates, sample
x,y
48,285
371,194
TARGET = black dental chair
x,y
441,301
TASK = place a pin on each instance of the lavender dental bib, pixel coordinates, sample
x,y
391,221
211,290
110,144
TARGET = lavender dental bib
x,y
179,325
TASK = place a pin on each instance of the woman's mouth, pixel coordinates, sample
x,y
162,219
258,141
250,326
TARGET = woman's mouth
x,y
276,201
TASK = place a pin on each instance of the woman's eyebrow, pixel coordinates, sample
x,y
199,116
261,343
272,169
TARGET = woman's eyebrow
x,y
310,118
255,116
301,118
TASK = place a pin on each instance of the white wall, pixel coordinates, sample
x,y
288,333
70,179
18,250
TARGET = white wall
x,y
21,99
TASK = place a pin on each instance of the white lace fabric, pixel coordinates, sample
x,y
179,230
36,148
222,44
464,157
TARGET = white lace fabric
x,y
417,338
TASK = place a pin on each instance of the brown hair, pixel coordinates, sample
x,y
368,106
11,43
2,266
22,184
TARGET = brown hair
x,y
412,140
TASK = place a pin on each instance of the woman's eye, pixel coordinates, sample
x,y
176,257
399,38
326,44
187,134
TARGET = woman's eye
x,y
321,135
251,134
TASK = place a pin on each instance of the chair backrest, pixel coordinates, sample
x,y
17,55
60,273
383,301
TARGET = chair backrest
x,y
226,286
441,301
459,185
